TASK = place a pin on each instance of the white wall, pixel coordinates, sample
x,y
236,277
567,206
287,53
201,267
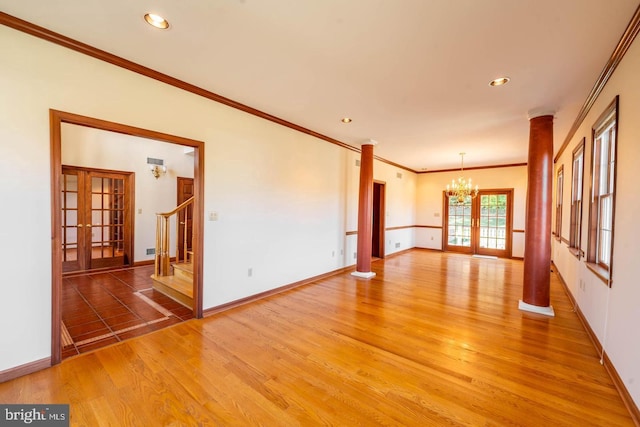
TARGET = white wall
x,y
429,201
94,148
612,313
284,199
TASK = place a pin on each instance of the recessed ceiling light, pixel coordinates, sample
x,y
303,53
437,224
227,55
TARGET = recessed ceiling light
x,y
346,120
157,21
499,82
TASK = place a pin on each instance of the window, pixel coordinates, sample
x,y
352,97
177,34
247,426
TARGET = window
x,y
559,183
601,210
577,174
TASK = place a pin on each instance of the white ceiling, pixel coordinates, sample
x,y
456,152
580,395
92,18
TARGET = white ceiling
x,y
413,74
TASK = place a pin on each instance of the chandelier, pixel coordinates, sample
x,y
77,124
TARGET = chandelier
x,y
461,189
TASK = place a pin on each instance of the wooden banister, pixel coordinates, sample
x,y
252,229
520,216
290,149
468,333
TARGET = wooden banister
x,y
162,261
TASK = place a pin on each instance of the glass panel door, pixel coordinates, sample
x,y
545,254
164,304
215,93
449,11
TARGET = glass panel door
x,y
481,225
95,218
494,224
107,220
459,219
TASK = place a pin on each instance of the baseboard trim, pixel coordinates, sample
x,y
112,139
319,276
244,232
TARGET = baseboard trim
x,y
142,263
606,362
253,298
27,368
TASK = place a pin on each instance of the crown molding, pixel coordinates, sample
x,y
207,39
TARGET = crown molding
x,y
64,41
625,42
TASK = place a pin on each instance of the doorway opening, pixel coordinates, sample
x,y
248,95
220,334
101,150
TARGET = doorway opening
x,y
480,226
378,237
113,234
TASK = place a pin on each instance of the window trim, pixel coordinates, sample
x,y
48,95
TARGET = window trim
x,y
577,198
602,271
559,197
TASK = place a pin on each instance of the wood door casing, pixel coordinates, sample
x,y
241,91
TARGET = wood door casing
x,y
493,223
97,229
378,223
482,225
185,217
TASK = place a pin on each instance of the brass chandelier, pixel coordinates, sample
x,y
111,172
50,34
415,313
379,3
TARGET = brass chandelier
x,y
461,189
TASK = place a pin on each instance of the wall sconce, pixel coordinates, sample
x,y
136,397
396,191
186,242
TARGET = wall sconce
x,y
157,170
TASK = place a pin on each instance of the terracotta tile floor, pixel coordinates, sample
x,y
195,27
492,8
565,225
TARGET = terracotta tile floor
x,y
99,309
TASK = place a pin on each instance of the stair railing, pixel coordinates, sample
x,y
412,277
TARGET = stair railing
x,y
162,264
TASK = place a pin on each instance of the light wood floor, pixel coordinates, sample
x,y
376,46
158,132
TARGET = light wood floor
x,y
434,339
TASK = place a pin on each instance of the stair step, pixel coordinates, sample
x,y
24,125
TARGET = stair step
x,y
183,270
174,287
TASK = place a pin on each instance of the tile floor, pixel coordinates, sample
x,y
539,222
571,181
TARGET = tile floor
x,y
103,308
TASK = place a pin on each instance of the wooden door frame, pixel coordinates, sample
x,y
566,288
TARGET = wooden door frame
x,y
129,183
179,235
509,225
475,230
56,118
379,232
445,229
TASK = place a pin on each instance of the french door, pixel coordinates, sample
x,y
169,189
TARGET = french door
x,y
481,225
96,218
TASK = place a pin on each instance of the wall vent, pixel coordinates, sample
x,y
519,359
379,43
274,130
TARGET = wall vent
x,y
152,161
151,251
399,175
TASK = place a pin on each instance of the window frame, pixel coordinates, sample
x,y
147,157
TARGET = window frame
x,y
559,196
577,196
608,122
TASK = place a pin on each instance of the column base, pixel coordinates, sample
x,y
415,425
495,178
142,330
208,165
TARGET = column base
x,y
362,275
547,311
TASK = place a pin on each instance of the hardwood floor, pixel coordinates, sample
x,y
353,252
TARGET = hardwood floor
x,y
434,339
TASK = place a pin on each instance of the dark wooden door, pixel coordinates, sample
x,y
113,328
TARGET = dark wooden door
x,y
185,217
96,218
377,237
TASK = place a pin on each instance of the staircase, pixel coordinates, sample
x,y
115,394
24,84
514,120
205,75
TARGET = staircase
x,y
177,286
175,280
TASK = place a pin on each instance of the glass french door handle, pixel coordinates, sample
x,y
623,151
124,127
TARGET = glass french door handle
x,y
79,225
88,225
182,222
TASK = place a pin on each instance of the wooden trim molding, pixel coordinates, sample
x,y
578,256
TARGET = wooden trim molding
x,y
27,368
56,118
606,362
618,53
510,165
252,298
69,43
401,227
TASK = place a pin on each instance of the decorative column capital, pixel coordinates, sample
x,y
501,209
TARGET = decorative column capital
x,y
370,142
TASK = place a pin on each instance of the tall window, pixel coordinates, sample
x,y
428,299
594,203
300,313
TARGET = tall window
x,y
559,184
577,173
603,190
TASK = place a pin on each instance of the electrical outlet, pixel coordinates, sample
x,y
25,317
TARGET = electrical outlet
x,y
250,272
213,216
398,245
333,254
354,255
